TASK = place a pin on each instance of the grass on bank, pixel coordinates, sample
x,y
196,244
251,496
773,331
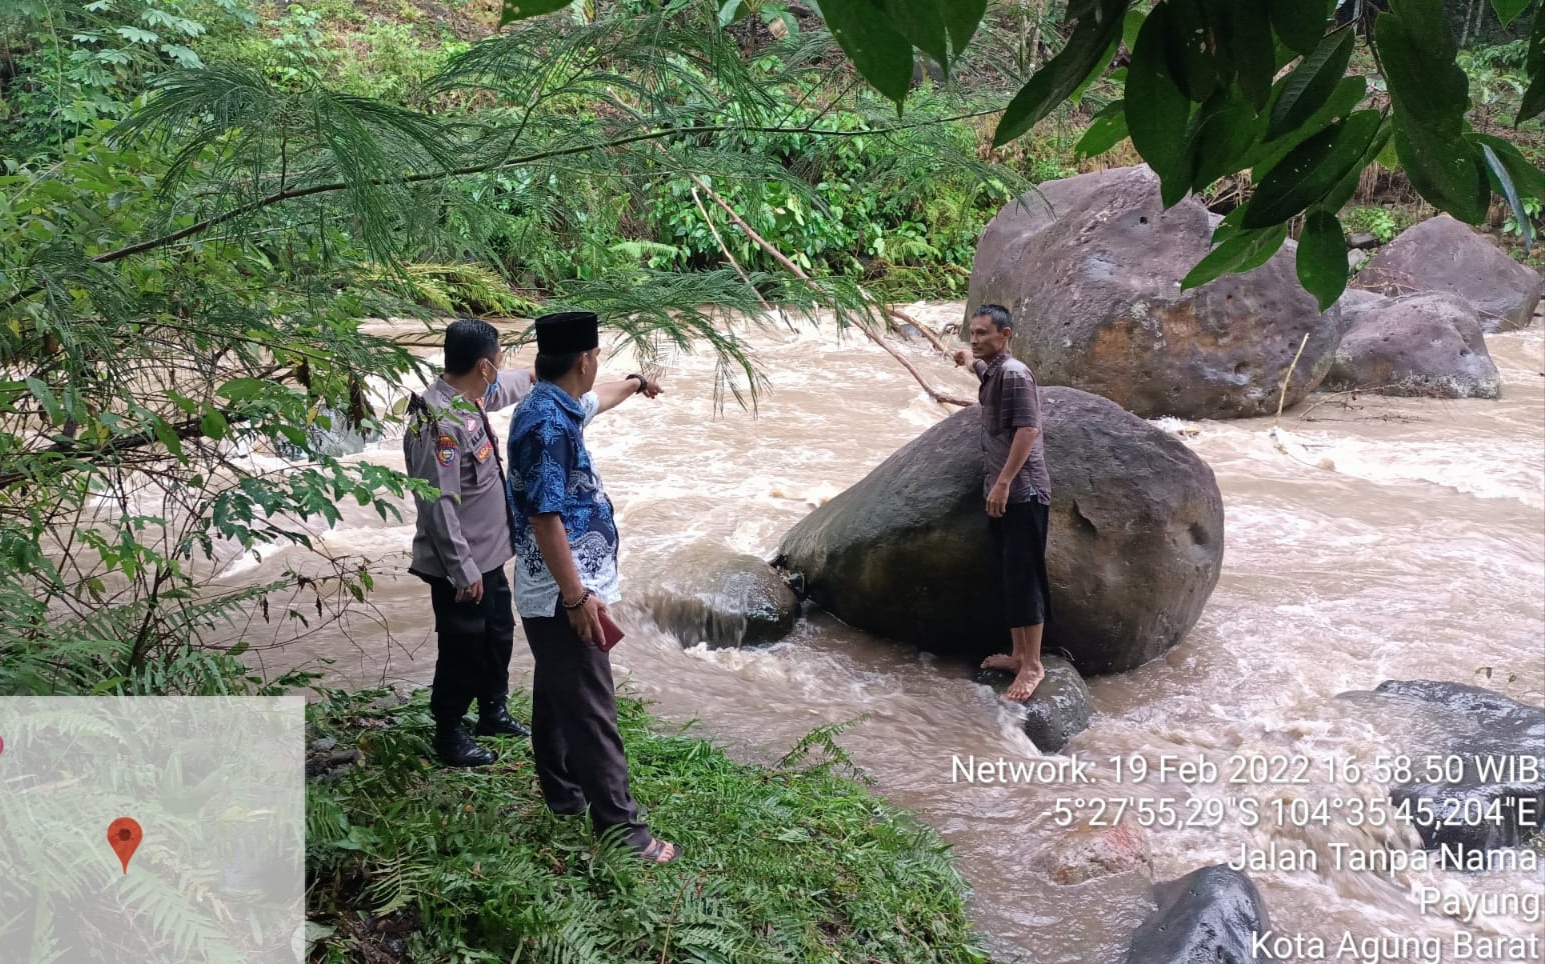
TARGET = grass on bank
x,y
797,862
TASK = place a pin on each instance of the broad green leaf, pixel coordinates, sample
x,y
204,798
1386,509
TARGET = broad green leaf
x,y
138,35
1508,10
1446,171
1251,51
727,12
1226,129
214,425
1388,158
1322,258
1311,170
1505,187
923,23
962,17
46,399
1349,93
168,436
1300,23
1343,192
1533,104
1534,98
1528,179
882,55
1055,82
1100,64
521,9
1309,86
1245,251
1158,113
1426,86
1130,27
242,389
1106,130
1190,43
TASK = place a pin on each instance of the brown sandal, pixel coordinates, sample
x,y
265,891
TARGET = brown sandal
x,y
656,848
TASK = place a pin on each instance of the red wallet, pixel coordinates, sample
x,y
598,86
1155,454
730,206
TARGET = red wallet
x,y
612,633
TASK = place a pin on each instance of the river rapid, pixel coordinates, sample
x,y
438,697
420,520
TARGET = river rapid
x,y
1373,539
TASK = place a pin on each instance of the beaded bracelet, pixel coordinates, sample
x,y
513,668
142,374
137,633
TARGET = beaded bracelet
x,y
578,602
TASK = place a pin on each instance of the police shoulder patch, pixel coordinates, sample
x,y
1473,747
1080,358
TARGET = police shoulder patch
x,y
445,449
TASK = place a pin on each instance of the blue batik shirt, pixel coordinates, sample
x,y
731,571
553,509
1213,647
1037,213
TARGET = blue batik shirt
x,y
551,472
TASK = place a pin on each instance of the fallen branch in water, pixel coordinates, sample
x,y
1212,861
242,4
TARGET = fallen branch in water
x,y
726,249
943,398
933,339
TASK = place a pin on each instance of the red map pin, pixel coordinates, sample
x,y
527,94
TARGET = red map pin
x,y
124,835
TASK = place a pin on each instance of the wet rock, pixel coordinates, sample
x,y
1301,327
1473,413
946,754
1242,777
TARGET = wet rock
x,y
1356,301
723,598
1091,271
1085,853
1445,255
1135,546
1363,240
1212,915
1426,345
1496,748
1059,709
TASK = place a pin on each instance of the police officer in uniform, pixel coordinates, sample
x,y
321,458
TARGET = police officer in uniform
x,y
463,539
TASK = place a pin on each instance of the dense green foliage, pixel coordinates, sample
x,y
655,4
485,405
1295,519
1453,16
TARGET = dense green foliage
x,y
181,293
793,863
201,200
1203,100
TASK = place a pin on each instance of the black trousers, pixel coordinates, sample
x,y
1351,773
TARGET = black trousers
x,y
476,640
579,756
1019,554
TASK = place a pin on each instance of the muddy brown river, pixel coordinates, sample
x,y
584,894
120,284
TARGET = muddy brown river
x,y
1383,539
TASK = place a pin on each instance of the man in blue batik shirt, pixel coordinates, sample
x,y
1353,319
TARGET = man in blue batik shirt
x,y
565,577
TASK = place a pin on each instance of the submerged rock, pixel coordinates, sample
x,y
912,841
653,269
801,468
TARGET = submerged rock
x,y
1135,546
1084,853
1091,267
1210,915
1060,708
1427,345
1445,255
1478,755
712,595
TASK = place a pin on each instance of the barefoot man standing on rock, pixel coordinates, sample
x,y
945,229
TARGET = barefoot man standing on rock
x,y
1018,491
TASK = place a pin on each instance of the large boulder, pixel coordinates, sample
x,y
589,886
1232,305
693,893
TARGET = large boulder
x,y
1442,254
1059,709
1213,914
1475,775
1427,345
1134,550
1091,268
711,594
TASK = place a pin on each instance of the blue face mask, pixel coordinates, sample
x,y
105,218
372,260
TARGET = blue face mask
x,y
493,387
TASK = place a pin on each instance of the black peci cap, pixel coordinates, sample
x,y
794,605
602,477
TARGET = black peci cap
x,y
567,332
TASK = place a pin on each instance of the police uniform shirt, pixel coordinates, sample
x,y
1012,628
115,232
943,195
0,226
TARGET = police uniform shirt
x,y
466,531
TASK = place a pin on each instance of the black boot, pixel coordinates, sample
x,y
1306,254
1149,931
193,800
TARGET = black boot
x,y
455,747
494,719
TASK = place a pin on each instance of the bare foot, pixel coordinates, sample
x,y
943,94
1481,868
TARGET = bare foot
x,y
1006,661
1025,683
